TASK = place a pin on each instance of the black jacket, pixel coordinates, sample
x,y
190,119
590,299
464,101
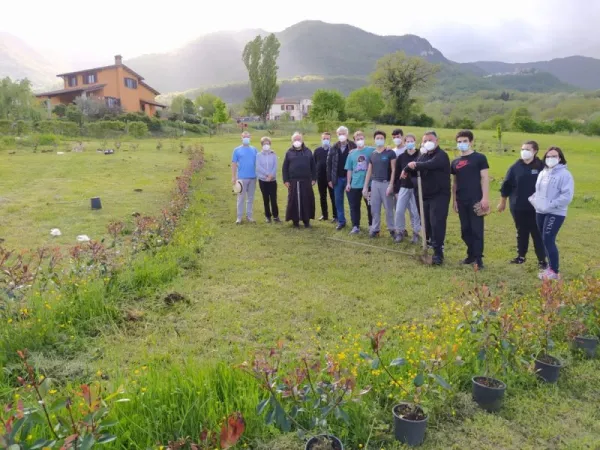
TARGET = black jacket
x,y
320,155
299,165
335,160
401,162
435,173
519,183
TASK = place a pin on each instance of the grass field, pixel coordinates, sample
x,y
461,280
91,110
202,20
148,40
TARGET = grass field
x,y
252,285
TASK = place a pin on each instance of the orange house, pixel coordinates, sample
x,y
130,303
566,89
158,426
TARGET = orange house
x,y
116,84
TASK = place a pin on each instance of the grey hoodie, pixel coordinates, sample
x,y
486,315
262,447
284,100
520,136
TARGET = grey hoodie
x,y
554,191
266,164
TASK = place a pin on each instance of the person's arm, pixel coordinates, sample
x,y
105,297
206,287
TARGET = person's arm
x,y
506,188
390,189
348,168
565,193
328,164
234,167
313,170
273,173
285,171
397,174
454,201
439,161
365,190
260,169
485,189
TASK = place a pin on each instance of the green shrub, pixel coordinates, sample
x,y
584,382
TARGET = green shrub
x,y
48,139
137,129
60,127
104,128
22,127
6,126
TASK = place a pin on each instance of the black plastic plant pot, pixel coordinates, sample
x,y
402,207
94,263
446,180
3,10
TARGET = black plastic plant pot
x,y
409,425
488,393
336,444
548,368
587,344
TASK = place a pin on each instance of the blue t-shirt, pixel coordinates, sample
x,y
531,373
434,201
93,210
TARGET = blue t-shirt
x,y
358,163
245,157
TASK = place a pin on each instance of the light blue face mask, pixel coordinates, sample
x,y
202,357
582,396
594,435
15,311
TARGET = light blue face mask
x,y
246,141
379,142
463,146
325,142
410,145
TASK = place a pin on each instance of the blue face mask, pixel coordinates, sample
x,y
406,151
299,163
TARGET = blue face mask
x,y
325,142
410,145
463,146
245,141
379,142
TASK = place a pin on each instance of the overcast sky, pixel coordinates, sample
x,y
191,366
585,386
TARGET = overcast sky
x,y
464,30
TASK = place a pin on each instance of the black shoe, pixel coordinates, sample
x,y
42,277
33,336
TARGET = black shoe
x,y
479,264
543,265
437,260
334,220
392,234
277,220
374,234
468,260
518,260
268,220
405,233
307,225
323,219
340,226
296,225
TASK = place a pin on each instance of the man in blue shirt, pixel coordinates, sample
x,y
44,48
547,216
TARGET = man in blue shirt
x,y
243,168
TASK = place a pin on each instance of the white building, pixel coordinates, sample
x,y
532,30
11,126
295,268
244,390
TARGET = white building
x,y
297,109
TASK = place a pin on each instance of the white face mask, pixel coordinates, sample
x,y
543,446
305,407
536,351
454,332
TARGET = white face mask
x,y
343,138
551,161
397,141
429,146
297,144
360,143
423,150
266,147
526,155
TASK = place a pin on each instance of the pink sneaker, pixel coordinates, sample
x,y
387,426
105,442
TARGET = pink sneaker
x,y
548,274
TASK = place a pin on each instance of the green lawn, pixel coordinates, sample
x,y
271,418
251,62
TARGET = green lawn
x,y
252,285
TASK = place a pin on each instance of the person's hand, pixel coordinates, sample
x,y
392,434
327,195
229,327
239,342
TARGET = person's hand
x,y
233,180
501,206
330,184
485,204
412,165
287,184
404,175
347,188
314,182
455,206
389,190
365,193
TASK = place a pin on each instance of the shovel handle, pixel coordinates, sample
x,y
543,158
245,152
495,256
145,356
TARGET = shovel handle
x,y
421,211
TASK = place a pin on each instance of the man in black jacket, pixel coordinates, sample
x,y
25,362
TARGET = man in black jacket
x,y
320,155
336,173
435,177
519,185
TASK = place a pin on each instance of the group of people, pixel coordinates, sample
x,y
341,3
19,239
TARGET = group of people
x,y
399,178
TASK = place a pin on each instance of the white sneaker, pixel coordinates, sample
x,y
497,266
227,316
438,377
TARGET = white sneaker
x,y
548,274
238,222
355,230
251,220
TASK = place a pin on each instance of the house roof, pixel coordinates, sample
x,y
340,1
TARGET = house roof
x,y
281,101
152,102
112,66
92,88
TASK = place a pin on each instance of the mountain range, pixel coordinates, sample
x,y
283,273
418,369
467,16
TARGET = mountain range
x,y
311,49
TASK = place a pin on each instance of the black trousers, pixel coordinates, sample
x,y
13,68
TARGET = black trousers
x,y
526,225
471,229
354,198
323,189
269,195
436,217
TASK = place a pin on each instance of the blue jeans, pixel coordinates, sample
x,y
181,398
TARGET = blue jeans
x,y
339,189
549,225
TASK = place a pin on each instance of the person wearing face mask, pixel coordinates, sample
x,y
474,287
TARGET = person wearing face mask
x,y
356,167
321,162
471,183
407,199
299,175
554,191
518,186
266,170
397,137
336,172
434,167
243,169
380,175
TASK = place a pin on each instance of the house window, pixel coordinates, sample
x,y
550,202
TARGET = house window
x,y
131,83
73,81
289,107
283,107
113,102
90,78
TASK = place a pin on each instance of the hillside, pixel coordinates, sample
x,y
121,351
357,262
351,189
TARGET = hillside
x,y
307,48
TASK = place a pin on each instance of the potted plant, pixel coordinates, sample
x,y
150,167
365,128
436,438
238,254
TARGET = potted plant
x,y
306,397
546,366
410,417
582,313
490,333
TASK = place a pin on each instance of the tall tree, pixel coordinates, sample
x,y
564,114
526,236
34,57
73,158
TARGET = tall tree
x,y
220,114
260,58
399,76
327,104
17,100
205,101
365,103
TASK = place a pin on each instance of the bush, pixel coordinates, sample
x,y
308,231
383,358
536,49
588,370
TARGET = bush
x,y
104,128
6,126
137,129
464,123
48,139
22,127
60,127
421,120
